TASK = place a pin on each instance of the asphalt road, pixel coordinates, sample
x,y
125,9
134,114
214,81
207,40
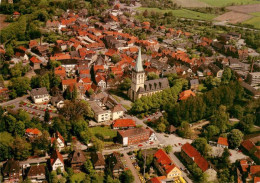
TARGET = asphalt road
x,y
132,168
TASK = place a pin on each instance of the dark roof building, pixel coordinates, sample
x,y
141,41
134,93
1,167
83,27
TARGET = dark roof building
x,y
77,159
114,163
37,173
11,170
98,161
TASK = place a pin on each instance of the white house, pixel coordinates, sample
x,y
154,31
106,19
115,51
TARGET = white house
x,y
57,161
101,81
40,95
59,140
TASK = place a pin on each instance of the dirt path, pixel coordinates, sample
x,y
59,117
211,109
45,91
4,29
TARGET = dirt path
x,y
3,24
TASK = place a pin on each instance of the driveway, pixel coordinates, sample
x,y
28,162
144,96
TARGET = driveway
x,y
132,168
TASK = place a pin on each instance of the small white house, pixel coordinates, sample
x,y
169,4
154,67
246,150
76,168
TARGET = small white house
x,y
40,95
59,140
57,161
101,81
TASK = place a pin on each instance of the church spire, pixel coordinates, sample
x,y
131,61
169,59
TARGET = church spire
x,y
139,64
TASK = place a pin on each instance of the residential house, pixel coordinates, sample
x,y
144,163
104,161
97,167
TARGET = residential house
x,y
254,79
98,161
186,94
190,154
101,81
36,63
165,165
68,83
11,171
123,124
57,101
77,159
215,70
172,129
60,71
222,142
106,109
37,173
135,136
40,95
194,84
56,160
59,140
250,89
115,164
4,94
32,133
69,65
41,50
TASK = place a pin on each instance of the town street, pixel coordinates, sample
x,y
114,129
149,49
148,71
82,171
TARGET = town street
x,y
131,167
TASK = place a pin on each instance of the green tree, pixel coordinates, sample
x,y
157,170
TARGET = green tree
x,y
88,167
98,145
211,131
6,141
77,109
202,146
125,85
127,177
152,76
226,76
235,138
212,82
47,116
161,127
184,130
221,118
115,58
20,85
168,149
247,122
21,148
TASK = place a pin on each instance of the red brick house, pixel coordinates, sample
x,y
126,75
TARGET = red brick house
x,y
134,136
190,154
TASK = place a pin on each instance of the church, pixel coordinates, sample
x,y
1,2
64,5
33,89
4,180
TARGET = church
x,y
140,87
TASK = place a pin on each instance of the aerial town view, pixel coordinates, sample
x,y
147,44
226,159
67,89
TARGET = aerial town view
x,y
130,91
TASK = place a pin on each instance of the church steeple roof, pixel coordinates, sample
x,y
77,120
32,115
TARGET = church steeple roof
x,y
139,64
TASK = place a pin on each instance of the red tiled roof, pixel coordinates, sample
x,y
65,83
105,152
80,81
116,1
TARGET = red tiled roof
x,y
33,43
248,145
196,156
186,94
86,80
256,179
157,179
60,56
85,71
223,141
16,13
98,67
60,71
255,169
35,60
56,155
123,123
99,78
34,131
244,165
164,160
69,81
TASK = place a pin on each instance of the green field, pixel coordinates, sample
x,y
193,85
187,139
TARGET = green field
x,y
105,131
183,13
221,3
255,21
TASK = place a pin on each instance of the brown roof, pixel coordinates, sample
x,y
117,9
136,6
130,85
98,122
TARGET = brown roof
x,y
36,170
56,155
255,169
11,166
77,157
114,161
248,145
223,141
133,132
98,159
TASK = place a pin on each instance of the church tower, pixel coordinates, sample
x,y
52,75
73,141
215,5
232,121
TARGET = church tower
x,y
138,77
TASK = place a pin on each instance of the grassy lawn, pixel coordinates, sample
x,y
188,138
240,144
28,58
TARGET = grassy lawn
x,y
202,88
255,21
106,131
182,13
220,3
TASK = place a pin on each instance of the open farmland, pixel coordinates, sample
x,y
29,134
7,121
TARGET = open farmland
x,y
255,21
183,13
233,17
191,3
224,3
245,8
